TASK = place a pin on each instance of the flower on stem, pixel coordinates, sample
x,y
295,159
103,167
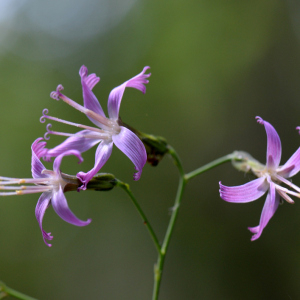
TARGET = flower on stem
x,y
50,183
270,176
108,130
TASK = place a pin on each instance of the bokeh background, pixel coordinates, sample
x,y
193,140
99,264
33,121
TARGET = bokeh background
x,y
215,66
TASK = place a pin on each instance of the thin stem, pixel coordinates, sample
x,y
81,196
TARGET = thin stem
x,y
7,291
184,178
126,188
211,165
161,258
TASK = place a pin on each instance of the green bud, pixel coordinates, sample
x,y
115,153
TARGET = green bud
x,y
156,146
244,162
100,182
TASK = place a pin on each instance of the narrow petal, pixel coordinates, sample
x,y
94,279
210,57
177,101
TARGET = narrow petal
x,y
270,206
58,159
133,148
89,99
40,210
76,142
103,153
273,144
60,206
244,193
37,151
291,167
114,100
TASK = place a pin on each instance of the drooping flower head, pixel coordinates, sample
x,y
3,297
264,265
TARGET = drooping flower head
x,y
270,176
50,183
107,131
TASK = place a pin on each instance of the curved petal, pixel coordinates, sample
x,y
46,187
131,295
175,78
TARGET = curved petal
x,y
273,144
37,151
114,100
291,167
78,142
90,80
89,99
58,159
103,153
133,148
60,206
40,210
244,193
270,206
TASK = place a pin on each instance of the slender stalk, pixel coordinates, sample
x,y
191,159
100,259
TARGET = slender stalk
x,y
184,178
158,268
7,291
126,188
211,165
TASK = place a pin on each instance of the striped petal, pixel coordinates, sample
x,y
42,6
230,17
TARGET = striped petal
x,y
270,207
273,144
244,193
114,100
60,206
40,210
133,148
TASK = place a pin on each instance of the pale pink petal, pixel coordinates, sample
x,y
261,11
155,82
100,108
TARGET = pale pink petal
x,y
37,151
273,144
89,99
78,142
40,210
114,100
60,206
58,159
291,167
133,148
244,193
270,206
103,153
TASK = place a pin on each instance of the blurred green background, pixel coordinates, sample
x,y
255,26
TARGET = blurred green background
x,y
215,66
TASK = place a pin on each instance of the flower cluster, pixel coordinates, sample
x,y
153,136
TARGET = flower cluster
x,y
106,132
270,176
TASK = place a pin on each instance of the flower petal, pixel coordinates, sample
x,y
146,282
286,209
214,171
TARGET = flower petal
x,y
103,153
244,193
133,148
291,167
37,151
273,144
58,159
270,206
89,99
114,100
40,210
60,206
76,142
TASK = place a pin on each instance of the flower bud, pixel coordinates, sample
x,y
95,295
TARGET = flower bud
x,y
156,146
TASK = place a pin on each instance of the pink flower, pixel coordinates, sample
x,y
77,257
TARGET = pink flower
x,y
270,176
50,183
107,131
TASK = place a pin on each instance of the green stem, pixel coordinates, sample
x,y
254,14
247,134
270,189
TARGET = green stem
x,y
126,188
7,291
158,268
211,165
184,178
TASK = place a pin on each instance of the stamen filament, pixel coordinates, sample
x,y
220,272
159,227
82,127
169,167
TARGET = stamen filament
x,y
86,111
287,182
72,124
286,197
280,188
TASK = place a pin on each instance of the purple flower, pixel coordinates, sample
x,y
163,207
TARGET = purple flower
x,y
270,176
108,130
49,183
